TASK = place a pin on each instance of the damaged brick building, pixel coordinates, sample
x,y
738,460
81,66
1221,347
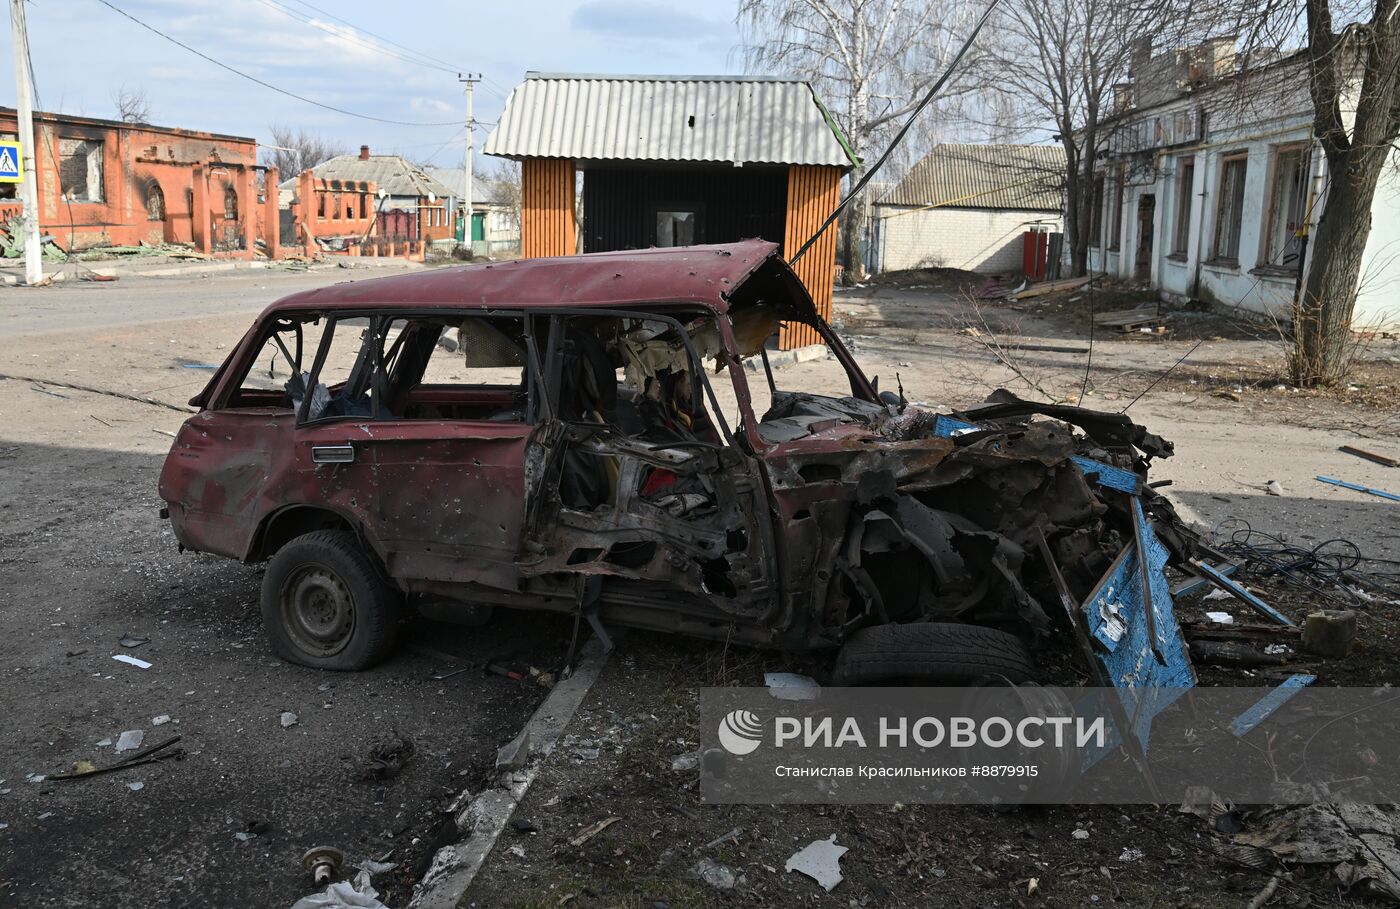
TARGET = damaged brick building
x,y
109,183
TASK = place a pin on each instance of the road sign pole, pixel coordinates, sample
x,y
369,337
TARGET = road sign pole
x,y
33,266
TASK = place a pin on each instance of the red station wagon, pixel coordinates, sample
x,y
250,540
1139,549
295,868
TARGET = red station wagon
x,y
603,436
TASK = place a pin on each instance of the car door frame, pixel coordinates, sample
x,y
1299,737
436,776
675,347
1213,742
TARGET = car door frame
x,y
441,540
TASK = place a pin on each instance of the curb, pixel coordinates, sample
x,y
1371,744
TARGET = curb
x,y
780,358
484,816
61,274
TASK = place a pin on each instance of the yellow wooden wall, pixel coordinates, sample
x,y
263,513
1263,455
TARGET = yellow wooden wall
x,y
547,208
813,192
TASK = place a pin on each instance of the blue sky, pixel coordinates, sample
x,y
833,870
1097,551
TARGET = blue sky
x,y
82,52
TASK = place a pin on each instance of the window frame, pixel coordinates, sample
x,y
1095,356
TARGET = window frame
x,y
1217,254
100,151
656,208
1304,151
1184,206
1115,215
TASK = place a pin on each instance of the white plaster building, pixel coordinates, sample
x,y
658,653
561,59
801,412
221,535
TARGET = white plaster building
x,y
969,207
1210,179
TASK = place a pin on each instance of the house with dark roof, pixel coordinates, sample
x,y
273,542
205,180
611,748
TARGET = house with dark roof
x,y
675,161
970,207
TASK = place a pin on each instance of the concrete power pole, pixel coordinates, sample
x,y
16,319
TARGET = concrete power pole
x,y
470,79
33,265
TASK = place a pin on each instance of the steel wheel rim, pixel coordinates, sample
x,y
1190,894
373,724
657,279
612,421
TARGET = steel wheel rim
x,y
318,610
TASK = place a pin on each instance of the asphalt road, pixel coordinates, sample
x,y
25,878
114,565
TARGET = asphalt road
x,y
85,560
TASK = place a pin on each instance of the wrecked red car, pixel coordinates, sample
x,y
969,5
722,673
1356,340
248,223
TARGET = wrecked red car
x,y
603,436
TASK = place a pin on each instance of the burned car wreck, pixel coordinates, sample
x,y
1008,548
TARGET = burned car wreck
x,y
585,435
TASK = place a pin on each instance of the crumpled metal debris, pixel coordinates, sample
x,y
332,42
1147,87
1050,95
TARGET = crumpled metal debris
x,y
821,861
1358,841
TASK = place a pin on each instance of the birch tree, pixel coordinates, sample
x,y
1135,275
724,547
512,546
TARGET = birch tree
x,y
870,61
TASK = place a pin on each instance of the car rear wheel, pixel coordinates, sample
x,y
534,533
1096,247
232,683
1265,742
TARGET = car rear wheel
x,y
931,653
326,605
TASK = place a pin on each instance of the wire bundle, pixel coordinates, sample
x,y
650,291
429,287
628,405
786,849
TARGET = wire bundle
x,y
1335,568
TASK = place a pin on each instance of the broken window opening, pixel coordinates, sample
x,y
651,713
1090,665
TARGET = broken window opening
x,y
230,204
80,169
344,381
456,368
155,202
677,224
1116,215
1229,213
1185,183
1288,207
281,355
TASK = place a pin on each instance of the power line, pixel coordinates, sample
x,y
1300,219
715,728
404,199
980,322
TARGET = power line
x,y
352,37
899,136
443,64
281,91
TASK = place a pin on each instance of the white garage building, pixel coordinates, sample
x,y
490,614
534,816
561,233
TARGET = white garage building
x,y
968,207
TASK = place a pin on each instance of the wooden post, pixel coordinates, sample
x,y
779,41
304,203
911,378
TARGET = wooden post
x,y
272,217
199,210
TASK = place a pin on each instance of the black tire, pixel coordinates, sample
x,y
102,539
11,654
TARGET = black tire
x,y
326,605
931,653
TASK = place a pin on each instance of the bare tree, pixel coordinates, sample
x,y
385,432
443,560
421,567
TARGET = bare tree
x,y
131,105
1061,60
294,150
870,60
1355,66
502,186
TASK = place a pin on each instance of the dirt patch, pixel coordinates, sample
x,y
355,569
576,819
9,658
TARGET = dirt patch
x,y
942,279
641,718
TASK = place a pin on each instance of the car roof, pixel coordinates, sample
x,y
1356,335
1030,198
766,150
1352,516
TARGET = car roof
x,y
704,275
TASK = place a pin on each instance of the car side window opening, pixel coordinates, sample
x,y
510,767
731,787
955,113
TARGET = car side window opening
x,y
345,377
455,368
287,348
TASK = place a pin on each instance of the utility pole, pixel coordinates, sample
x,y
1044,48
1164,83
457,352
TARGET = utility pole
x,y
33,266
470,79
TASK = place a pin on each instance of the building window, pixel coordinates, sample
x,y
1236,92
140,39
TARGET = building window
x,y
155,202
1288,202
677,227
80,169
1096,212
1229,210
230,204
1116,215
1181,222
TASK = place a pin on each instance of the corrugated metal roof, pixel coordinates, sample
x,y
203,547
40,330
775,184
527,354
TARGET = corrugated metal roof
x,y
1018,177
667,118
390,173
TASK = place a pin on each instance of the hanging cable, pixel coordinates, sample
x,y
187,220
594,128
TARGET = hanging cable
x,y
353,37
899,136
282,91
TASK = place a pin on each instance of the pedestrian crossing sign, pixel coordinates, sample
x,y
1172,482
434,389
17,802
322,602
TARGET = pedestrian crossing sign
x,y
11,170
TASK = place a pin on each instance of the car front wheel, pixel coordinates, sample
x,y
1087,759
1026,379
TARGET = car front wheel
x,y
932,653
326,605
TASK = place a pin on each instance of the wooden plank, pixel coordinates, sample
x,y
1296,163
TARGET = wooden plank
x,y
1049,287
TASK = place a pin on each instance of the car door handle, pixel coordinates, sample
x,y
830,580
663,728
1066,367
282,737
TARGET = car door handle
x,y
332,454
